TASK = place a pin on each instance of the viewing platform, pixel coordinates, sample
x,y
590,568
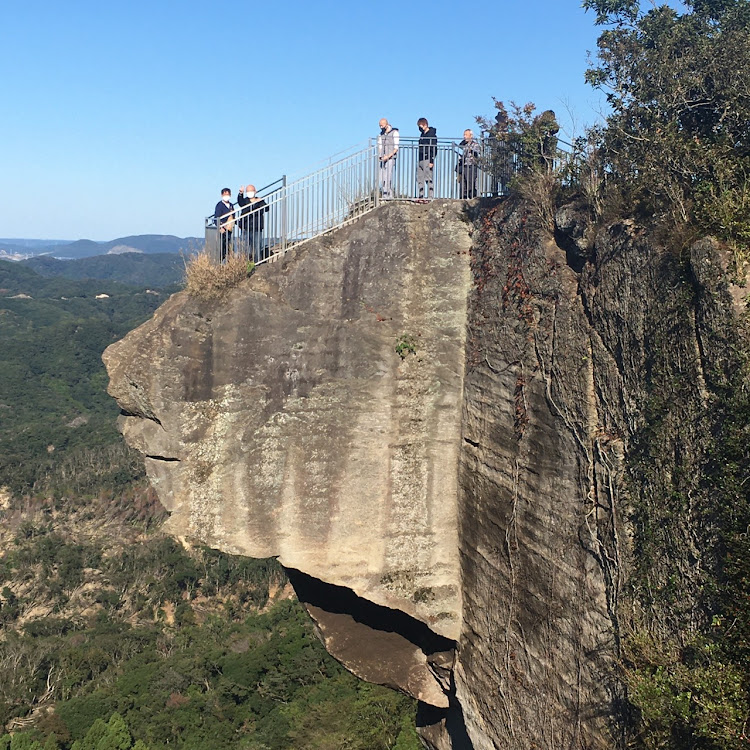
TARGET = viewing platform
x,y
347,186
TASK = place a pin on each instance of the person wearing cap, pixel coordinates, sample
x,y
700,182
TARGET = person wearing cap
x,y
387,151
252,221
224,215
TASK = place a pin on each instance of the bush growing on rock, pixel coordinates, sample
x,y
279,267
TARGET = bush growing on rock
x,y
208,280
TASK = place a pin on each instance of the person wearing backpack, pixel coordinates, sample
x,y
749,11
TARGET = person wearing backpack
x,y
387,151
426,160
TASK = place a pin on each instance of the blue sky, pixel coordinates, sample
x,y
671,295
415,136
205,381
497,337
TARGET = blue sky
x,y
128,118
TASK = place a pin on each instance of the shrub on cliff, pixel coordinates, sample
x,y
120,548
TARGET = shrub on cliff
x,y
675,152
524,156
208,280
677,143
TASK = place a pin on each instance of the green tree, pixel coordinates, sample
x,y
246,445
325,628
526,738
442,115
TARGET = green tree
x,y
677,142
117,736
24,742
96,733
407,737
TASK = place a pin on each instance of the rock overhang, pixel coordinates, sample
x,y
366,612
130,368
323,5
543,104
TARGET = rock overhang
x,y
284,422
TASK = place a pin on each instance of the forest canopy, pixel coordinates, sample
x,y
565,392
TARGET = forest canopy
x,y
677,141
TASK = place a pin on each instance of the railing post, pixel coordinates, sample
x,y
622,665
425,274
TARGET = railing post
x,y
284,238
375,171
211,244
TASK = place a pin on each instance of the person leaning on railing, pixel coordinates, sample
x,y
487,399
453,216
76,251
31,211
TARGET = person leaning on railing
x,y
224,215
252,221
387,151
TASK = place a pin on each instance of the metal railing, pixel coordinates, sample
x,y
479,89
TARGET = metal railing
x,y
347,186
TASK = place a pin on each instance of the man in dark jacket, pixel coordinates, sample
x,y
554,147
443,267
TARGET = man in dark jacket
x,y
427,154
224,215
252,222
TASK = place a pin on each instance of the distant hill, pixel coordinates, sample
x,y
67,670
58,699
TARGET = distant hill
x,y
143,243
13,245
52,381
16,278
140,269
77,249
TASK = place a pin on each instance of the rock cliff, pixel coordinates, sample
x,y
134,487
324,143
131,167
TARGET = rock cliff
x,y
315,416
434,443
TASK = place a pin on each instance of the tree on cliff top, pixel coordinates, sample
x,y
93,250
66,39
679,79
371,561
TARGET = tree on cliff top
x,y
677,142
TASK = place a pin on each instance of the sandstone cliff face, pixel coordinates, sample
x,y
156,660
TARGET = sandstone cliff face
x,y
575,349
283,422
471,496
539,484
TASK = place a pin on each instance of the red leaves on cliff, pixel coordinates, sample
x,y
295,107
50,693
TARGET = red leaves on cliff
x,y
520,413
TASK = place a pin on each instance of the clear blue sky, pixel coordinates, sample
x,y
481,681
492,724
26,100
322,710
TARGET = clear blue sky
x,y
128,118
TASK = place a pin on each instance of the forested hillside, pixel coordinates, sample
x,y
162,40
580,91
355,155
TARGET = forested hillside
x,y
113,635
58,432
140,269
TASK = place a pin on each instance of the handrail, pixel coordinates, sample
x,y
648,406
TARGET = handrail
x,y
280,182
321,163
351,183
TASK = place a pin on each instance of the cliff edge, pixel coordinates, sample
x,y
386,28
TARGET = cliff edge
x,y
315,416
434,421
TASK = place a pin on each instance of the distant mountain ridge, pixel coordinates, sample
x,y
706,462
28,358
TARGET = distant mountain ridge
x,y
137,268
64,249
20,244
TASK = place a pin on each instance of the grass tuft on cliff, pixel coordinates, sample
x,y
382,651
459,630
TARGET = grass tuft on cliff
x,y
208,280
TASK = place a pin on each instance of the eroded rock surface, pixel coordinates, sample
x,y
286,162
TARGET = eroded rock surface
x,y
285,422
456,521
569,355
536,657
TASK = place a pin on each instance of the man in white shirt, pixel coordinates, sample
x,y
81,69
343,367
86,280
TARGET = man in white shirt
x,y
387,150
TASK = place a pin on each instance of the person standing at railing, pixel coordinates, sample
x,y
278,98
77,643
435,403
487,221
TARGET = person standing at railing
x,y
252,221
546,128
503,150
426,162
224,215
468,165
387,151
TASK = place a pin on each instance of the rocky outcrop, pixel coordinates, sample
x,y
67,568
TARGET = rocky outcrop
x,y
438,452
315,416
582,354
539,491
